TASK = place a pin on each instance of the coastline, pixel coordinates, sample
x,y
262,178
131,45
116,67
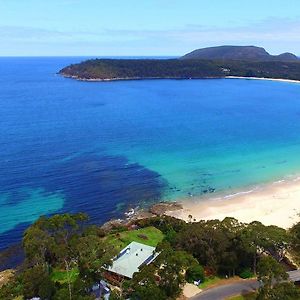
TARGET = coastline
x,y
132,78
264,78
174,78
275,203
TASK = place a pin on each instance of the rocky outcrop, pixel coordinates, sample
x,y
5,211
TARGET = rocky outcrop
x,y
161,208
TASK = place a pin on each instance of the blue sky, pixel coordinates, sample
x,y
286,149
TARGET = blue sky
x,y
145,27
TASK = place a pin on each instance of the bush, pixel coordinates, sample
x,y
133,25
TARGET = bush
x,y
195,273
115,296
62,294
46,288
246,273
118,229
11,290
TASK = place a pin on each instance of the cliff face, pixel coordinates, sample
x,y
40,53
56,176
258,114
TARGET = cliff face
x,y
248,53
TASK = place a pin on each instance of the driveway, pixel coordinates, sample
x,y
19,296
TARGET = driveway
x,y
237,288
224,291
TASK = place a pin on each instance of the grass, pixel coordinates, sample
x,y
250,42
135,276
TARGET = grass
x,y
250,296
62,276
217,281
150,236
209,281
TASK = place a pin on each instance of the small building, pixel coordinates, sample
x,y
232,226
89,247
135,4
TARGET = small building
x,y
129,260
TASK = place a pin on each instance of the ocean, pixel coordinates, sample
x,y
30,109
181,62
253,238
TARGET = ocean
x,y
104,147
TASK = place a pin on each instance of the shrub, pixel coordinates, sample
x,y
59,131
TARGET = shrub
x,y
195,272
246,273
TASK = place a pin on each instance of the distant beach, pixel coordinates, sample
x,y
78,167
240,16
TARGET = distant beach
x,y
272,204
263,78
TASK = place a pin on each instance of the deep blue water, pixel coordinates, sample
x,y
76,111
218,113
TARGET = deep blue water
x,y
104,147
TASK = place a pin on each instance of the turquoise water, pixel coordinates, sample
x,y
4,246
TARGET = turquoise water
x,y
104,147
35,204
220,134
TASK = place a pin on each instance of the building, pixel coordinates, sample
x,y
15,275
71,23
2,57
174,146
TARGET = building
x,y
129,260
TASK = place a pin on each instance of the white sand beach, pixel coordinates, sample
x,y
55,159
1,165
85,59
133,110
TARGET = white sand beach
x,y
263,78
273,204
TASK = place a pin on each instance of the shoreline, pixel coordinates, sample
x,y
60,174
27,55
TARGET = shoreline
x,y
264,78
174,78
274,203
132,78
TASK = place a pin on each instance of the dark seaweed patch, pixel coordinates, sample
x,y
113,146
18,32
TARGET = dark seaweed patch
x,y
92,184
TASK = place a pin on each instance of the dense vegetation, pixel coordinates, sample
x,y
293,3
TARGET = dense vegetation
x,y
64,257
113,69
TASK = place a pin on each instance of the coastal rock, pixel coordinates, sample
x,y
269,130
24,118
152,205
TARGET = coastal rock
x,y
5,276
108,226
161,208
143,215
128,221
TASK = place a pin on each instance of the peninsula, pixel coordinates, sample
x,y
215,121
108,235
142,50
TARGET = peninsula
x,y
214,62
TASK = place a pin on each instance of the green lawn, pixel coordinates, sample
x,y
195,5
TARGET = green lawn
x,y
150,236
216,281
62,276
210,281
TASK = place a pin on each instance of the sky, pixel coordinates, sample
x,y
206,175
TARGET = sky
x,y
145,27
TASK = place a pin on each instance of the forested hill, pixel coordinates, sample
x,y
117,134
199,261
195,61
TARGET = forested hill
x,y
214,62
121,69
249,53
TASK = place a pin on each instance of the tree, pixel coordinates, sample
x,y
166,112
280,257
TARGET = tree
x,y
35,280
172,267
257,239
213,243
64,242
171,277
277,242
270,271
116,296
195,272
92,255
51,241
164,223
46,288
144,284
12,289
61,294
65,230
164,278
37,244
284,290
295,245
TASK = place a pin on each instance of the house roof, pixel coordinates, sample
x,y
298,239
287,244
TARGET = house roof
x,y
131,258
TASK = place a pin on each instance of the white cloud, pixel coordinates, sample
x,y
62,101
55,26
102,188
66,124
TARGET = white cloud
x,y
276,35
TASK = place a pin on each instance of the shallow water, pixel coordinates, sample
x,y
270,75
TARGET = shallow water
x,y
103,147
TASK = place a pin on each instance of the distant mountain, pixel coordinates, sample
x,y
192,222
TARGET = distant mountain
x,y
287,56
245,53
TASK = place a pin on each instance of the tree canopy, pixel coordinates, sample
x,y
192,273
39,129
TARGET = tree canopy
x,y
65,256
112,69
